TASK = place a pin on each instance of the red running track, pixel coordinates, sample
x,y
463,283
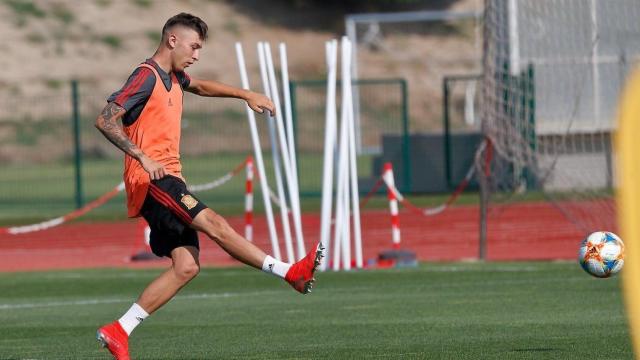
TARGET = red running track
x,y
531,231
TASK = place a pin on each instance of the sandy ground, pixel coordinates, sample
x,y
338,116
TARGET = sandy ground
x,y
100,41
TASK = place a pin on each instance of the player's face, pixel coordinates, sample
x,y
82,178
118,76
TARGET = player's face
x,y
187,48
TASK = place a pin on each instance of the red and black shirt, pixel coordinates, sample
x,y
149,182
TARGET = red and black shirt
x,y
136,91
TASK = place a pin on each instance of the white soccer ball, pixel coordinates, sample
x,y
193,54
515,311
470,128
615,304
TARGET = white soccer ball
x,y
601,254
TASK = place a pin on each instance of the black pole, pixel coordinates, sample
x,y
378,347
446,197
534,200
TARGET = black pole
x,y
447,132
483,179
406,145
76,143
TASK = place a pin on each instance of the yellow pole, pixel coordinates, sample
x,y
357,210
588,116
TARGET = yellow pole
x,y
628,199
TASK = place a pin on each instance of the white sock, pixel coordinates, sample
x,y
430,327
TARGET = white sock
x,y
275,267
132,318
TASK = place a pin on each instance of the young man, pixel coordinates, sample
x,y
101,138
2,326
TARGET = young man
x,y
150,108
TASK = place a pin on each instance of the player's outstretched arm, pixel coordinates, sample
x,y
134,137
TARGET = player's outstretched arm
x,y
109,125
256,101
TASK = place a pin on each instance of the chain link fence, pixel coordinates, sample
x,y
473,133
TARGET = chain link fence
x,y
40,158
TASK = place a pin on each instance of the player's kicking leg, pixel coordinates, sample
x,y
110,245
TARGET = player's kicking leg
x,y
299,275
168,209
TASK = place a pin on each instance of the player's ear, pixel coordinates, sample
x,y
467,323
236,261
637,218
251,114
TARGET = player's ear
x,y
171,41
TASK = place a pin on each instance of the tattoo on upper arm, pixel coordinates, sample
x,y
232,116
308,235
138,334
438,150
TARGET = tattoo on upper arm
x,y
111,110
108,125
110,114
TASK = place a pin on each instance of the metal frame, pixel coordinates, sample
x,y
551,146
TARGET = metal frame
x,y
406,148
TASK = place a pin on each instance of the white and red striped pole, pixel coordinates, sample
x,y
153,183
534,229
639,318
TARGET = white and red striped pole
x,y
142,251
248,201
393,204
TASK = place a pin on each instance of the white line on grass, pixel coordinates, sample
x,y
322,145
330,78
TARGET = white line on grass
x,y
336,290
127,300
119,275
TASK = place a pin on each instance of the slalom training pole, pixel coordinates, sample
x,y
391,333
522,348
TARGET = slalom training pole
x,y
273,236
345,117
284,207
295,192
286,160
342,241
248,201
331,49
353,171
393,205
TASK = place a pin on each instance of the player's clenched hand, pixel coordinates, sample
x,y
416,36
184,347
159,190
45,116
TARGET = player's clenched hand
x,y
258,103
155,169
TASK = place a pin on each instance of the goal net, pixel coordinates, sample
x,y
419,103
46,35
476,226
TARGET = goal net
x,y
552,74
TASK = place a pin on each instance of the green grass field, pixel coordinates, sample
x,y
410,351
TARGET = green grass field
x,y
436,311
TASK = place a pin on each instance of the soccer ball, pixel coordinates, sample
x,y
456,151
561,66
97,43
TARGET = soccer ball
x,y
601,254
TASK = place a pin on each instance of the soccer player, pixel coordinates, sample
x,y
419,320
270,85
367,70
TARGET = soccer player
x,y
150,108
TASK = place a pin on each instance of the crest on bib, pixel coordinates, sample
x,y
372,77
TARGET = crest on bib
x,y
189,201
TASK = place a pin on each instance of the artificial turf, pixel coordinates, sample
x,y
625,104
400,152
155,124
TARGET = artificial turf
x,y
523,310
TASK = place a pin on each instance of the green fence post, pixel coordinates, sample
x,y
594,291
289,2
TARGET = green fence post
x,y
530,107
406,156
447,131
75,119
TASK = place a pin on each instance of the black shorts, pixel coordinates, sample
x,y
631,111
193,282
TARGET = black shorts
x,y
169,208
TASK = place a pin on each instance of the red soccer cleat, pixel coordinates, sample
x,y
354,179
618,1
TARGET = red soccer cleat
x,y
300,275
115,339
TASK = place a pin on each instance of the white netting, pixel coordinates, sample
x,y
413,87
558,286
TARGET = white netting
x,y
552,73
